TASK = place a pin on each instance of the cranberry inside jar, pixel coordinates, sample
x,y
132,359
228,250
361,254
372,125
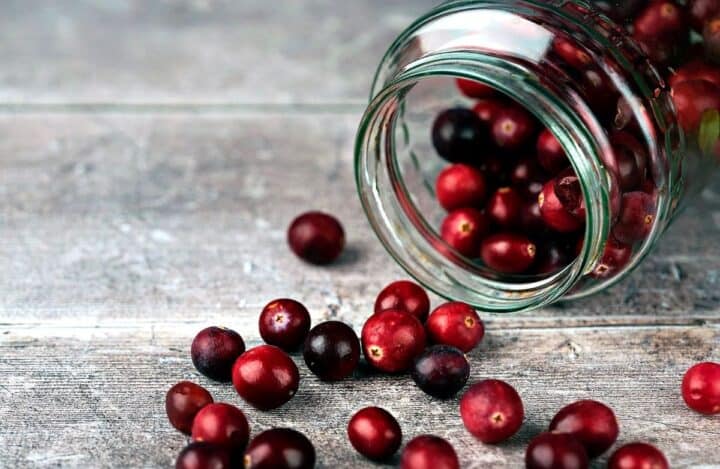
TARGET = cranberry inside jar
x,y
570,134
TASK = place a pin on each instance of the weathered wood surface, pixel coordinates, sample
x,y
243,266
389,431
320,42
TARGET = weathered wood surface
x,y
151,156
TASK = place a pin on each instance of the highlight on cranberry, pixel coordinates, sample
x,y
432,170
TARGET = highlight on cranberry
x,y
638,455
221,424
555,451
316,237
284,323
429,452
265,377
280,448
492,411
591,423
214,351
332,351
441,371
374,433
456,324
406,296
183,401
701,388
201,454
391,340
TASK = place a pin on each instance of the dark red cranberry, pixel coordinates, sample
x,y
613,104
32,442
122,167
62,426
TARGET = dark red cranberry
x,y
571,53
280,448
711,38
456,324
392,339
203,455
555,451
702,11
551,154
569,192
553,256
316,237
488,109
556,216
592,423
661,19
374,433
214,350
701,388
404,295
429,452
692,99
460,186
221,424
508,253
528,177
638,456
512,128
474,89
492,411
619,10
631,159
266,377
696,70
615,257
284,323
504,207
459,135
599,92
531,220
464,229
332,351
496,170
183,401
637,217
441,371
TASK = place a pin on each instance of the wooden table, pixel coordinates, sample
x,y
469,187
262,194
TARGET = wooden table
x,y
151,157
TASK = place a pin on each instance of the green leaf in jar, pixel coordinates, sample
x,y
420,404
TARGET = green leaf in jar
x,y
709,131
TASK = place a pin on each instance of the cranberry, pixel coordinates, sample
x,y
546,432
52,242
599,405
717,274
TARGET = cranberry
x,y
512,128
636,219
529,177
496,170
504,207
463,229
701,388
280,448
555,451
638,456
508,253
316,237
599,92
551,154
711,37
569,192
474,89
456,324
203,455
492,411
488,109
553,256
392,340
284,323
458,135
531,220
696,70
619,10
221,424
374,433
592,423
661,20
405,295
556,216
702,11
429,452
183,401
615,256
572,54
266,377
460,186
630,164
214,350
692,99
441,371
332,351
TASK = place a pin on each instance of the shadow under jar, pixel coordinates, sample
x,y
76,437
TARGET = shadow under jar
x,y
627,89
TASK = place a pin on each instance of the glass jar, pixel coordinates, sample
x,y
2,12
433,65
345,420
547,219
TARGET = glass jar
x,y
627,89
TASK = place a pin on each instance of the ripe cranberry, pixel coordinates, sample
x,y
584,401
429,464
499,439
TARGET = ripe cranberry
x,y
551,154
214,350
616,256
221,424
638,456
528,177
405,295
464,229
599,91
183,401
619,10
429,452
441,371
280,448
512,128
496,170
374,433
458,135
661,19
332,351
630,164
456,324
572,54
701,388
504,207
692,99
284,323
392,339
701,11
492,411
556,216
592,423
316,237
636,217
460,186
508,253
696,70
569,192
203,455
488,109
474,89
553,256
266,377
555,451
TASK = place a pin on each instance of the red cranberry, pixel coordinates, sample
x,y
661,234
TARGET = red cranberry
x,y
528,177
460,186
701,11
692,99
404,295
508,253
701,388
661,19
392,339
551,154
183,401
492,411
636,217
458,135
619,10
531,220
638,456
266,377
630,161
474,89
429,452
553,256
463,229
284,323
203,455
696,70
592,423
599,92
456,324
374,433
556,216
488,109
280,448
316,237
441,371
496,170
569,192
332,351
572,54
711,38
221,424
555,451
615,257
504,207
214,350
512,128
